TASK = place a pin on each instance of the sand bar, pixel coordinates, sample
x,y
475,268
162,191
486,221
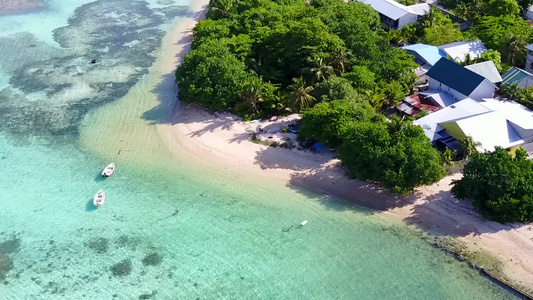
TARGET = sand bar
x,y
219,141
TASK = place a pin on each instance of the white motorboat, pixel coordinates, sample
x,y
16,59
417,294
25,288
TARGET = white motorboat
x,y
99,198
109,170
303,222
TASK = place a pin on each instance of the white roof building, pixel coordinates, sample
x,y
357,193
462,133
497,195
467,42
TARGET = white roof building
x,y
396,15
491,122
459,50
486,69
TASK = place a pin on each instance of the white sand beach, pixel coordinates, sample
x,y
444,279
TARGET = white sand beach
x,y
222,143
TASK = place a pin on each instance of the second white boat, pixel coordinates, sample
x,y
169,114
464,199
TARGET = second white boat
x,y
99,198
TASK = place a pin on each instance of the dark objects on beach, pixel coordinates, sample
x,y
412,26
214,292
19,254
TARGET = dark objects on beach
x,y
294,128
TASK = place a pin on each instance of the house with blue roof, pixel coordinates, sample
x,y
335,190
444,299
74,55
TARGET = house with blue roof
x,y
425,56
459,82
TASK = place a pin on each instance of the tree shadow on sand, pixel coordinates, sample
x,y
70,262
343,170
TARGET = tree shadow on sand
x,y
442,213
167,90
322,178
294,160
331,180
326,182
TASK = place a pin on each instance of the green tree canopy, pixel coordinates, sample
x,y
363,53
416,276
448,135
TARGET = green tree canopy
x,y
438,29
362,77
328,122
211,76
300,95
394,92
398,154
435,28
502,8
210,29
501,186
336,88
278,40
290,45
499,33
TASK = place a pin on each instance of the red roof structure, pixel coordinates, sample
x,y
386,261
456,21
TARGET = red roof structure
x,y
413,104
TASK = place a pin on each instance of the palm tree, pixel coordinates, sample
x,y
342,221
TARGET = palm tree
x,y
340,60
221,8
468,146
511,91
300,95
462,11
430,17
397,124
468,60
252,93
517,42
320,70
375,98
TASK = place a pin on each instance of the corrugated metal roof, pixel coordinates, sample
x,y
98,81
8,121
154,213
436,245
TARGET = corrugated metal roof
x,y
389,8
431,54
458,50
514,75
530,46
486,69
455,76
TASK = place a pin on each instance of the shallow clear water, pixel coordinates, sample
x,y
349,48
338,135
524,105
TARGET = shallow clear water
x,y
170,229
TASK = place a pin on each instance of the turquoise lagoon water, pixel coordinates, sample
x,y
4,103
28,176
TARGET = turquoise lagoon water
x,y
181,231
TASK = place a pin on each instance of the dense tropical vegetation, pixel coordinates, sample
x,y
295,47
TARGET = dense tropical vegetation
x,y
328,59
434,28
261,58
396,153
521,95
333,62
501,186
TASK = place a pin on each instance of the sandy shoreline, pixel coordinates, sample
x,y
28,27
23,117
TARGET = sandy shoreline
x,y
220,142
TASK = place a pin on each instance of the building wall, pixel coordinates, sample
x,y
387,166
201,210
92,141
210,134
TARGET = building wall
x,y
529,14
526,83
529,59
484,90
388,22
407,19
437,85
512,150
453,129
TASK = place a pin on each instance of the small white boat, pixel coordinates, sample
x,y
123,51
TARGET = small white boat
x,y
109,170
303,222
99,198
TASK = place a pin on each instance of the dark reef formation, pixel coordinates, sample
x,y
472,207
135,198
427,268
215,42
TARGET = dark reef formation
x,y
7,249
49,95
122,268
99,245
152,259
